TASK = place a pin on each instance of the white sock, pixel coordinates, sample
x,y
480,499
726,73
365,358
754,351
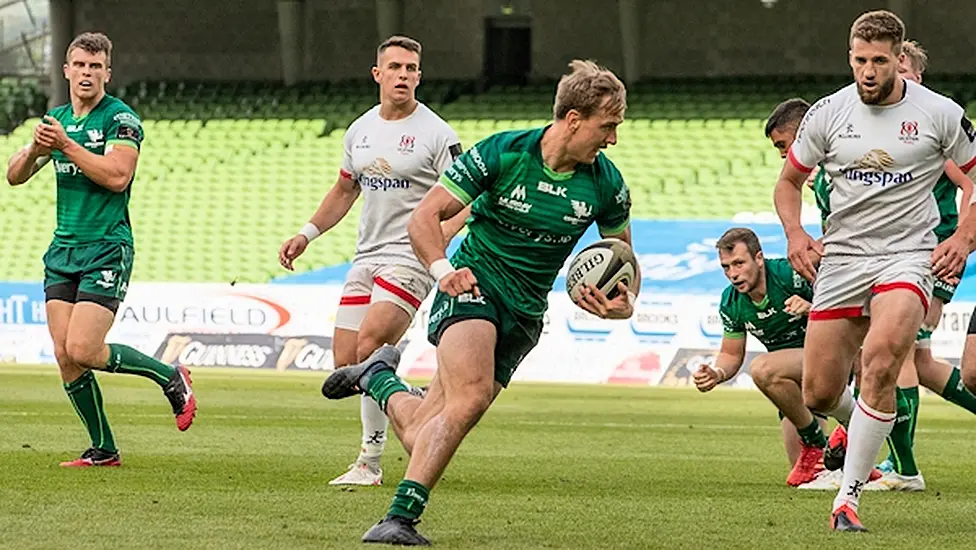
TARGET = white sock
x,y
374,429
865,436
845,407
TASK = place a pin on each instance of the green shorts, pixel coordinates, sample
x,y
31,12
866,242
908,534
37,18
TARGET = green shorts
x,y
516,335
97,272
945,291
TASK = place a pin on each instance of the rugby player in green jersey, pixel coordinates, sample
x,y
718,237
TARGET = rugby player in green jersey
x,y
769,300
900,471
533,195
94,142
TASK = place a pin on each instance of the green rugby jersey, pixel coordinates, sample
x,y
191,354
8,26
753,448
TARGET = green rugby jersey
x,y
88,212
526,219
945,197
766,320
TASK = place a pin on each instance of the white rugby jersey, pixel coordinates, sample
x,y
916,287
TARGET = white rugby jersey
x,y
883,162
395,163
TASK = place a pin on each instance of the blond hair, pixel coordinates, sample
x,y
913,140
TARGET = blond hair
x,y
916,55
879,25
93,43
586,89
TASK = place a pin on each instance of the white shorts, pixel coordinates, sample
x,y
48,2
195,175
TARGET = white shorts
x,y
405,286
846,284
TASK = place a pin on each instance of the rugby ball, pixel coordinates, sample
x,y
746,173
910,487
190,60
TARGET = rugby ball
x,y
602,264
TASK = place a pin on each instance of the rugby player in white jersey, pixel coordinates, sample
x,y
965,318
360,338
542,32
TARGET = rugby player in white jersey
x,y
394,153
884,142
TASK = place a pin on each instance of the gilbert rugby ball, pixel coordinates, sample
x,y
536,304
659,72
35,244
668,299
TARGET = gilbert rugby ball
x,y
602,264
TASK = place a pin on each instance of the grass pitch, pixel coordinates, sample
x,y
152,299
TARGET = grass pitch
x,y
548,467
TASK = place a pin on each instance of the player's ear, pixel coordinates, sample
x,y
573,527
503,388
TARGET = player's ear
x,y
759,258
108,75
64,69
376,74
573,120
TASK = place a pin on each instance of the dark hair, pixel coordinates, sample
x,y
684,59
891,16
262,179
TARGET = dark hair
x,y
399,41
880,25
738,235
787,113
92,42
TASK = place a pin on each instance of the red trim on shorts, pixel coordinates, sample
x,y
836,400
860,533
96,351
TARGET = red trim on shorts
x,y
400,293
968,166
879,419
878,289
799,165
354,300
836,313
345,174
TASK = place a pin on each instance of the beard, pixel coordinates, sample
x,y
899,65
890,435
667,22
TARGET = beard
x,y
880,92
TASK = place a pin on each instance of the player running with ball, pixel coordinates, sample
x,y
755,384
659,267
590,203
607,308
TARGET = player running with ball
x,y
94,141
394,154
534,193
883,142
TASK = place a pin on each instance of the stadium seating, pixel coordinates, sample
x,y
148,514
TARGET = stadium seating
x,y
229,171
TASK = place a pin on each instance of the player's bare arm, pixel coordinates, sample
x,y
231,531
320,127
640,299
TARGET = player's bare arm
x,y
452,226
113,170
428,242
727,364
963,182
334,206
949,258
27,162
788,198
621,306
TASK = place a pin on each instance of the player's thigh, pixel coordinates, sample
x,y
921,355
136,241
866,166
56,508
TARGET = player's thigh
x,y
90,323
934,315
829,352
896,316
466,357
353,304
779,364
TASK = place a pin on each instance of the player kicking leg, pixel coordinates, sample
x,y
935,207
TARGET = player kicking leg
x,y
393,155
876,279
87,266
539,190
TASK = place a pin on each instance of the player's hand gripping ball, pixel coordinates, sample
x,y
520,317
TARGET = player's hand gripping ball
x,y
602,279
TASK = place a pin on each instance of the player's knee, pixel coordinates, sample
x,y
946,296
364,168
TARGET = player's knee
x,y
762,371
468,410
84,353
818,397
969,377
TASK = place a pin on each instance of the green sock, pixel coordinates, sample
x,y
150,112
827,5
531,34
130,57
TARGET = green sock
x,y
86,397
410,500
955,392
812,435
382,385
900,440
857,392
125,360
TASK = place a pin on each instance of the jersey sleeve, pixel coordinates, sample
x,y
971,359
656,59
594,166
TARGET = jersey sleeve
x,y
347,170
810,146
474,171
732,326
959,138
448,150
614,216
124,128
